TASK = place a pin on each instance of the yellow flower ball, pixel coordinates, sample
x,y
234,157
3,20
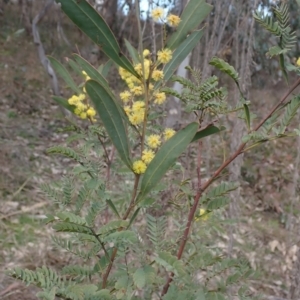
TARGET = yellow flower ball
x,y
127,109
83,115
168,133
125,96
173,20
147,156
146,52
138,68
157,75
124,73
164,56
153,141
298,62
81,97
73,100
159,98
137,118
139,167
91,112
86,76
157,13
138,105
137,90
130,85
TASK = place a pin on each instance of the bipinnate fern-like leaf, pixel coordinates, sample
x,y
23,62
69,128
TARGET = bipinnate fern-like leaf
x,y
70,247
198,95
172,92
156,228
171,263
93,212
236,270
67,190
143,276
81,291
276,50
123,237
217,203
48,294
51,193
184,81
254,137
72,227
54,285
225,67
112,226
216,197
70,217
279,28
208,95
77,271
222,189
282,15
290,112
66,151
42,277
82,196
208,84
267,22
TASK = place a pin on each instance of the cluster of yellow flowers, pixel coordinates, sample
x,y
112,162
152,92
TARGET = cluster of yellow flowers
x,y
158,15
136,109
153,141
83,109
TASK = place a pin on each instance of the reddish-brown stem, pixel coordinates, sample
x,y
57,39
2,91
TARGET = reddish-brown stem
x,y
213,177
292,88
110,159
199,159
129,209
105,277
109,163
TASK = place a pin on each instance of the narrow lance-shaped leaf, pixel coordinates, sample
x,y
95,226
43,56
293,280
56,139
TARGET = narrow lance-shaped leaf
x,y
87,19
113,208
132,51
64,103
209,130
247,115
111,117
62,71
90,70
74,66
165,157
181,53
105,69
194,13
96,75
